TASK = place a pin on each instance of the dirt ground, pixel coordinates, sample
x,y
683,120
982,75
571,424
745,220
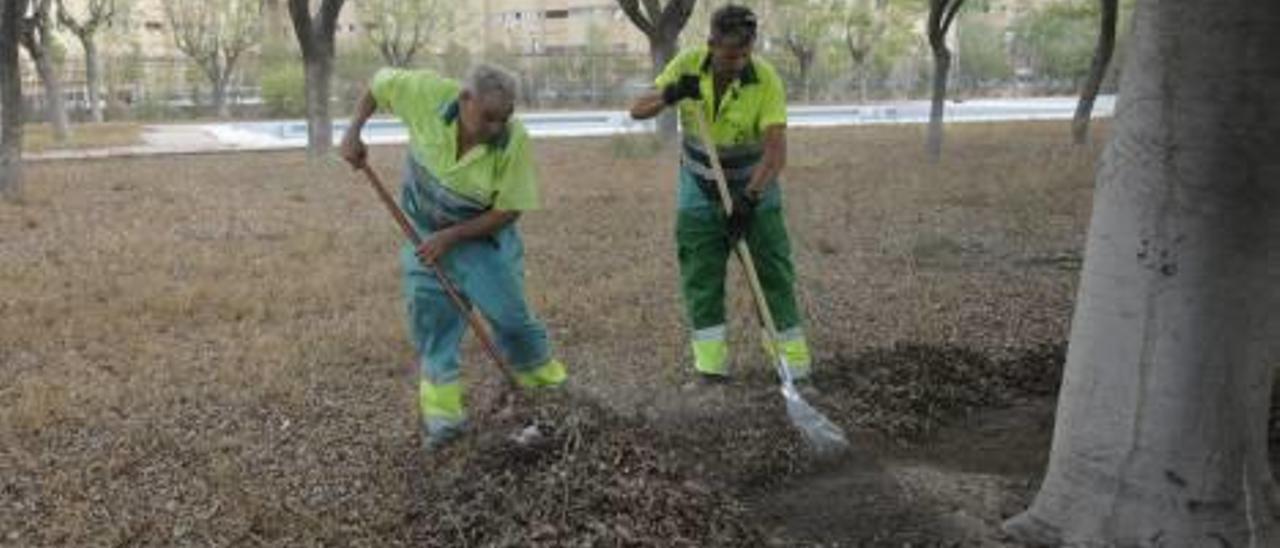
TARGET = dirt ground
x,y
210,350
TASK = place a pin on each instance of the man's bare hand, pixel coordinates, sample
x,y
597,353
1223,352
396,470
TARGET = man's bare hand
x,y
435,247
354,151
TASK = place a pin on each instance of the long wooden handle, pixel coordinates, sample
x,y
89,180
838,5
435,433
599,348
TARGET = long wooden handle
x,y
459,301
743,251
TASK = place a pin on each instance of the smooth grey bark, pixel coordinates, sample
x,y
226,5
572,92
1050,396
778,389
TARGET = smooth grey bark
x,y
1161,434
99,13
662,25
315,38
11,119
942,13
36,37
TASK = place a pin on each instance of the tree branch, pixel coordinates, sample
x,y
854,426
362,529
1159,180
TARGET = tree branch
x,y
1097,70
329,10
675,16
953,9
65,18
300,14
632,9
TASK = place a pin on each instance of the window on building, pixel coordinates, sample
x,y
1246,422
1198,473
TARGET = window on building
x,y
557,14
154,25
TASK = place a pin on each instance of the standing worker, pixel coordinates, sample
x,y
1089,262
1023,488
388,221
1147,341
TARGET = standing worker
x,y
745,101
468,177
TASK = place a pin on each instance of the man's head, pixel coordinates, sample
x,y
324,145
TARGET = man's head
x,y
487,101
733,35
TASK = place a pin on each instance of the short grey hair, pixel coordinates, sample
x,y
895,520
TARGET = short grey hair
x,y
485,78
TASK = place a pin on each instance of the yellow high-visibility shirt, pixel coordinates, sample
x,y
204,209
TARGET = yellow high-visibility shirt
x,y
500,174
752,103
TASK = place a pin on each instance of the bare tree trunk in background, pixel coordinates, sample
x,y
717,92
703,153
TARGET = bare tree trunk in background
x,y
98,13
219,92
941,66
93,78
805,55
662,25
11,119
1161,435
1097,70
319,77
315,37
399,29
214,35
860,54
35,38
942,14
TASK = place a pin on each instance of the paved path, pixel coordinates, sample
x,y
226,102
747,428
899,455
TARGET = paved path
x,y
263,135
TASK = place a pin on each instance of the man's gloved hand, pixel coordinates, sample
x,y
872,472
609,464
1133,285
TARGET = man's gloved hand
x,y
739,222
689,86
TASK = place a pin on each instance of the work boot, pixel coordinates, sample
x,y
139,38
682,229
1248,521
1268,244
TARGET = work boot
x,y
703,382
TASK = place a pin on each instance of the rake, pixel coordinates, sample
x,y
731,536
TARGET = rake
x,y
821,434
459,301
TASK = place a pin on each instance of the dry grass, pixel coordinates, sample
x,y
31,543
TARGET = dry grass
x,y
39,137
210,350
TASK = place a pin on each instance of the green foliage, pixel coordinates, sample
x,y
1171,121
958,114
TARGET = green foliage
x,y
871,38
983,57
284,90
1058,38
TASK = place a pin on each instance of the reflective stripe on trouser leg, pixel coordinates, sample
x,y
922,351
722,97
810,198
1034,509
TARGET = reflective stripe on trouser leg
x,y
436,328
771,252
441,405
795,349
703,255
552,373
710,352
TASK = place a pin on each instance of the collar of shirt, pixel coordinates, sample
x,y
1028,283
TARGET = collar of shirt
x,y
747,77
450,113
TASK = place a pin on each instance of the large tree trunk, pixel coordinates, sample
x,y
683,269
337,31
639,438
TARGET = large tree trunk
x,y
315,36
942,13
662,50
864,82
220,107
55,103
941,66
806,83
1161,430
319,74
1097,70
93,76
661,24
11,12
